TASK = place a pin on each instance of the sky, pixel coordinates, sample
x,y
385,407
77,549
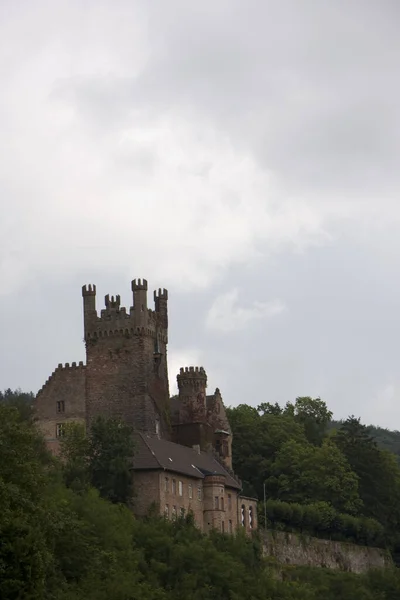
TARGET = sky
x,y
243,154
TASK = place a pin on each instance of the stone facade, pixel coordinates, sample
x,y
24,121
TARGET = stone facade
x,y
213,505
61,400
126,377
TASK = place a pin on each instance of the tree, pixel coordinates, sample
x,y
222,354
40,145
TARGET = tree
x,y
103,459
75,451
258,438
22,401
313,414
306,474
111,449
378,473
25,469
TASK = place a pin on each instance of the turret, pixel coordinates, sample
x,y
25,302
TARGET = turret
x,y
161,306
112,303
139,289
192,383
89,305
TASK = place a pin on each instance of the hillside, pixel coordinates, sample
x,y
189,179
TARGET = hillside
x,y
62,539
67,531
385,438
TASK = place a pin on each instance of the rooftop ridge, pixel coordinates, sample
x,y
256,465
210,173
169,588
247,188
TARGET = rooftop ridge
x,y
148,447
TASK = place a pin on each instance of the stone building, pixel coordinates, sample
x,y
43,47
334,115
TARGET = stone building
x,y
183,451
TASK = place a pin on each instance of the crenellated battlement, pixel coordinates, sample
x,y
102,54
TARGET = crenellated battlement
x,y
115,319
139,284
192,372
61,368
112,302
160,293
88,290
192,377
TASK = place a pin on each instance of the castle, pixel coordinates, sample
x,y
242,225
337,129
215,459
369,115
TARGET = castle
x,y
183,445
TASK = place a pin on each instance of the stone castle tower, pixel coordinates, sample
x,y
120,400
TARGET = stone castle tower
x,y
126,359
200,419
126,377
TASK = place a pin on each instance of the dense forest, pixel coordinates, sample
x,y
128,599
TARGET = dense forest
x,y
67,531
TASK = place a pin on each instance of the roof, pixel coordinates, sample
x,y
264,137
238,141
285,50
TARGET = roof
x,y
153,453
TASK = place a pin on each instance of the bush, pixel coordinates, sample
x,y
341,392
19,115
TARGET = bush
x,y
320,519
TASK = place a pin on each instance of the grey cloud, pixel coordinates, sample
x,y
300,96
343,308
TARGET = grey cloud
x,y
208,146
310,89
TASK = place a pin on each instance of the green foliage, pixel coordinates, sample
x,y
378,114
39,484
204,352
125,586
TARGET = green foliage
x,y
258,438
384,438
303,462
74,451
305,473
313,414
22,401
62,539
378,473
102,459
320,519
24,466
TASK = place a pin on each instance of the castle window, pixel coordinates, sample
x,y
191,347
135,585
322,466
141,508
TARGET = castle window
x,y
223,526
166,481
180,488
222,504
174,512
166,511
173,486
230,525
251,517
199,494
190,490
157,428
243,515
216,503
60,406
60,430
229,502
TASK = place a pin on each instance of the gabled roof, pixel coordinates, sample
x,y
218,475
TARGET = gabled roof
x,y
153,453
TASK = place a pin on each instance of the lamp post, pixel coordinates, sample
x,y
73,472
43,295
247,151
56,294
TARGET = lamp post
x,y
265,509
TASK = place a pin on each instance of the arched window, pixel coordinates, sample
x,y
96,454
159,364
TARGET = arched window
x,y
243,515
251,517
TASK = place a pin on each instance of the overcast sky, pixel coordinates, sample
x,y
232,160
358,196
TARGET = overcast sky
x,y
243,154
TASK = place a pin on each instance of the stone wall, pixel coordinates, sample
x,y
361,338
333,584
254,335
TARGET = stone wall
x,y
171,492
294,549
181,492
61,400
